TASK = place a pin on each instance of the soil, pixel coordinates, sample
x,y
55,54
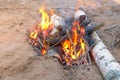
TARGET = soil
x,y
16,55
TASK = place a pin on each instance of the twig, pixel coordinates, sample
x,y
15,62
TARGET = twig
x,y
115,25
79,36
66,8
89,48
103,37
39,40
113,41
117,43
83,39
57,42
88,54
71,42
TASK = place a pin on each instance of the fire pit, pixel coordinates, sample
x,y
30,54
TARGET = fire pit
x,y
67,39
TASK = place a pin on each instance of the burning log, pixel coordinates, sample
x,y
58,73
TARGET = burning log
x,y
73,49
107,64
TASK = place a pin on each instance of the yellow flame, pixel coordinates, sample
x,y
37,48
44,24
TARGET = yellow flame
x,y
82,45
34,34
66,46
45,26
69,47
75,36
45,23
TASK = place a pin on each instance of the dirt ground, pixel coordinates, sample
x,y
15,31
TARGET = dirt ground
x,y
16,55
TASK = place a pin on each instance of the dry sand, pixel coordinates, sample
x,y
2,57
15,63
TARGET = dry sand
x,y
16,55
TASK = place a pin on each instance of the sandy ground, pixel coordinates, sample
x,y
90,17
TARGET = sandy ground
x,y
16,55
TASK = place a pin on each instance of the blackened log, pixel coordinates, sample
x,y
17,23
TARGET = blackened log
x,y
55,41
84,22
91,28
69,21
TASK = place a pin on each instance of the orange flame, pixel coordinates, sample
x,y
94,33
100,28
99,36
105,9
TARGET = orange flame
x,y
70,48
75,36
73,47
43,51
45,26
34,34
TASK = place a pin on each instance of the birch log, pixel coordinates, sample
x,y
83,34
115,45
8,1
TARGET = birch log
x,y
56,20
107,64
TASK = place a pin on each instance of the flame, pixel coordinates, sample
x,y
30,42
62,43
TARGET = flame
x,y
43,27
73,46
70,46
66,45
45,19
43,51
34,34
82,45
45,23
75,36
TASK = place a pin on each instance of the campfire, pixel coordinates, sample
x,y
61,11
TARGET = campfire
x,y
72,43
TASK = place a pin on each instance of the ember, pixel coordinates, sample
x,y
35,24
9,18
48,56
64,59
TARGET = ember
x,y
69,42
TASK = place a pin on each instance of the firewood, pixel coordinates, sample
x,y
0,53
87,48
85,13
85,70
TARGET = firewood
x,y
40,42
69,36
98,26
114,26
55,41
